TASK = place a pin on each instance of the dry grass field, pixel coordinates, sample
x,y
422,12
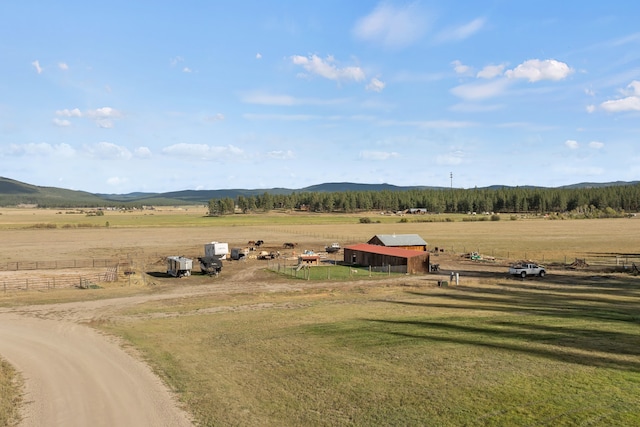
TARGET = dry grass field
x,y
252,347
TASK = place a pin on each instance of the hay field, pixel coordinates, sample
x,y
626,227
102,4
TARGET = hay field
x,y
254,348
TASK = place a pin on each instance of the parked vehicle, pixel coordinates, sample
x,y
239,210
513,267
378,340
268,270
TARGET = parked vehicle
x,y
334,247
179,266
527,269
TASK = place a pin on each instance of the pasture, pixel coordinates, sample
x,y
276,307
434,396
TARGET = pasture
x,y
253,347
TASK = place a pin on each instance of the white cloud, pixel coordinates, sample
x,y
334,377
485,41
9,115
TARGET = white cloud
x,y
175,60
596,145
378,155
460,68
142,152
463,31
258,56
263,98
186,70
63,66
475,91
61,122
108,151
69,113
490,71
392,26
450,159
117,180
535,70
218,117
591,108
573,145
283,117
282,155
36,65
326,68
103,116
375,85
202,151
38,149
629,103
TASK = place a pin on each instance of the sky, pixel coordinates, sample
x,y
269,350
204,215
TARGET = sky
x,y
128,96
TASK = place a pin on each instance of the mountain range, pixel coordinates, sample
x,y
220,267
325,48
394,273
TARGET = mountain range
x,y
13,193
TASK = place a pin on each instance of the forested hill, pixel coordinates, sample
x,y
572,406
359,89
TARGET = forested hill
x,y
609,201
350,197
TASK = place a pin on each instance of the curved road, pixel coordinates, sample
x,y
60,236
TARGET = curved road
x,y
75,376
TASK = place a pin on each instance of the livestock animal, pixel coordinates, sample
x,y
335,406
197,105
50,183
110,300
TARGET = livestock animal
x,y
289,245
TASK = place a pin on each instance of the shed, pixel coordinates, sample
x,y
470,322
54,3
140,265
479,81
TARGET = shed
x,y
411,242
398,260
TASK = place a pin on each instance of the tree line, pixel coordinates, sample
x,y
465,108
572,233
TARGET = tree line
x,y
596,200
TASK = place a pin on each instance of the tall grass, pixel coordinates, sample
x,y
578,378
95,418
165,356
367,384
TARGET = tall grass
x,y
10,385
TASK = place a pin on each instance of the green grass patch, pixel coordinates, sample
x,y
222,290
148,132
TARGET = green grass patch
x,y
495,355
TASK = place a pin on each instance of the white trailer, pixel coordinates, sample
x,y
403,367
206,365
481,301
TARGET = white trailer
x,y
216,249
179,266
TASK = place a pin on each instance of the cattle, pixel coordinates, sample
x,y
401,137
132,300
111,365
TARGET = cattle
x,y
289,245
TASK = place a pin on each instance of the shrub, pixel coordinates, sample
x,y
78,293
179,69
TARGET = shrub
x,y
365,220
495,217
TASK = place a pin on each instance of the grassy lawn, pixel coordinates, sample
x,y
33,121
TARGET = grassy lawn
x,y
499,354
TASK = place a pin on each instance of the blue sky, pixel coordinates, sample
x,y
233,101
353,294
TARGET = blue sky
x,y
124,96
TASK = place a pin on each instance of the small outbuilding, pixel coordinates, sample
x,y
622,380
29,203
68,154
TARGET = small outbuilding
x,y
397,260
411,242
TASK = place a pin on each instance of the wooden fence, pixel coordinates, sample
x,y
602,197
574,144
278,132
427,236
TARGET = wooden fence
x,y
56,265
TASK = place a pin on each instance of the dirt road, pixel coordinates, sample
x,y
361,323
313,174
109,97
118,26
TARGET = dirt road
x,y
76,377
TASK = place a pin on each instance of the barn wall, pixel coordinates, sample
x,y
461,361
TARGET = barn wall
x,y
417,264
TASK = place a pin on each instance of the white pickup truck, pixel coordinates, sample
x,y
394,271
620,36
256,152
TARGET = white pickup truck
x,y
528,269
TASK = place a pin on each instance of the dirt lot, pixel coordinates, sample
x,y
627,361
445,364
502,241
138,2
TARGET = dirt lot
x,y
75,376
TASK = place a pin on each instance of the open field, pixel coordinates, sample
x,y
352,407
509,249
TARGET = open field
x,y
252,347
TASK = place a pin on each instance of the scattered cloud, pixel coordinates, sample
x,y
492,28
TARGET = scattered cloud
x,y
38,149
596,145
375,85
631,101
461,32
258,55
108,151
265,98
142,152
573,145
218,117
452,158
326,68
280,154
61,122
103,117
483,90
535,70
117,180
461,69
63,66
392,26
175,60
202,151
378,155
186,70
69,113
490,71
36,65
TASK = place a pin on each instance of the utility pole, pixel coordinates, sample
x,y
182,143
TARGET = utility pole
x,y
451,177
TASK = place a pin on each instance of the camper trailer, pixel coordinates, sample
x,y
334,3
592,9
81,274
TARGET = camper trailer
x,y
179,266
216,249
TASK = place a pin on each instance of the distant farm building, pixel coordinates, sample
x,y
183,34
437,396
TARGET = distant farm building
x,y
411,242
381,258
309,259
